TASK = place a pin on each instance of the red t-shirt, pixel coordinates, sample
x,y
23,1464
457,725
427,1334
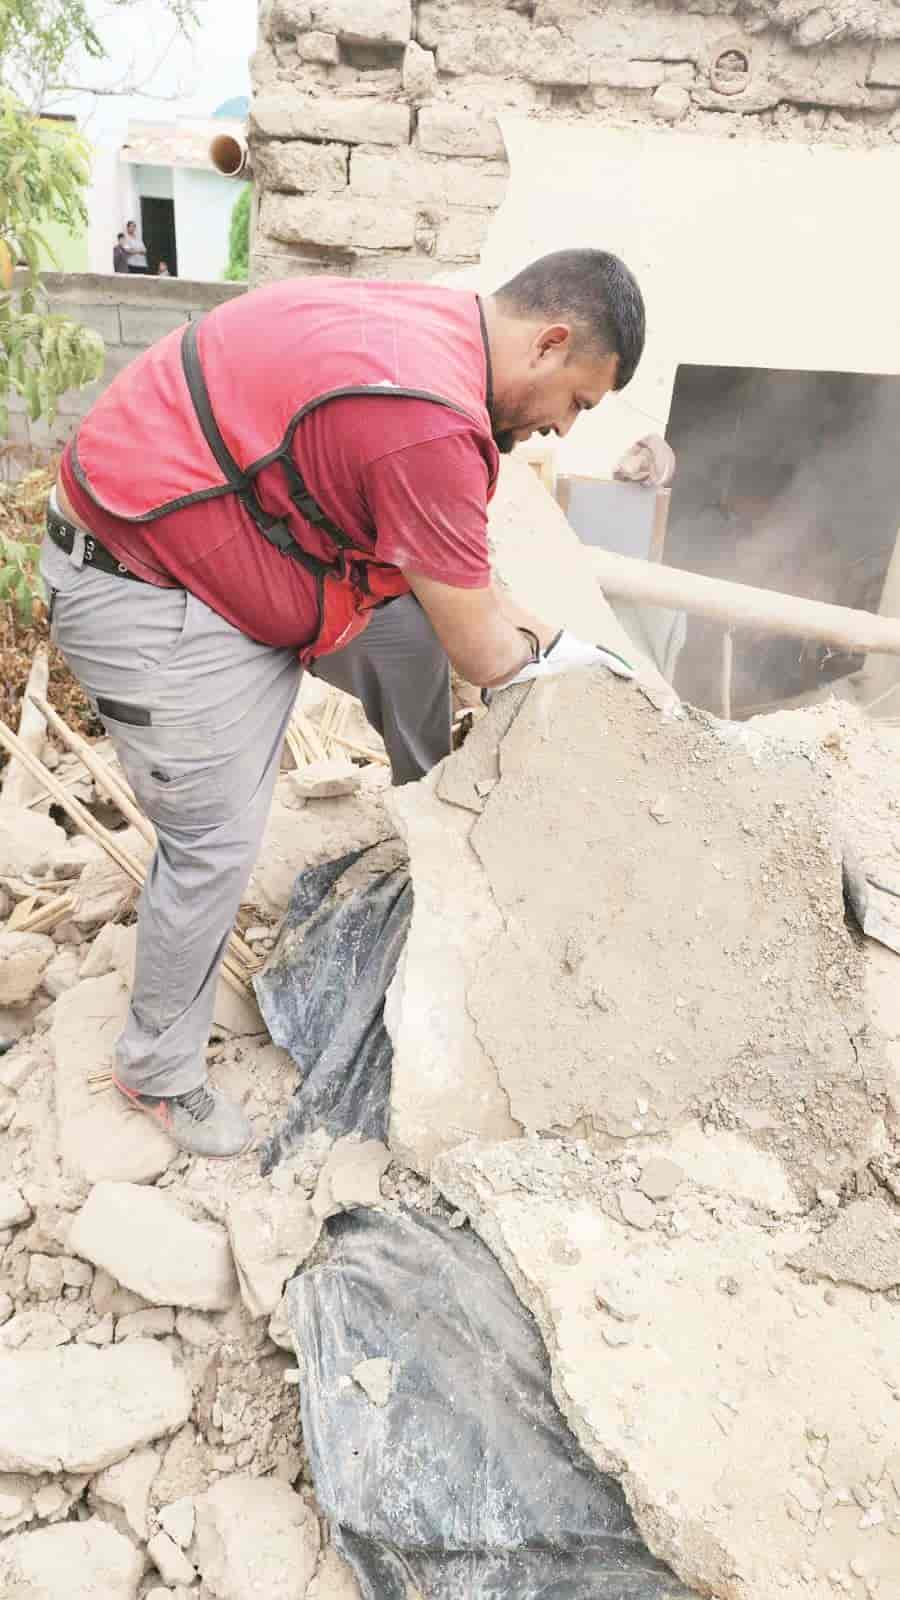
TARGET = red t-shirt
x,y
407,477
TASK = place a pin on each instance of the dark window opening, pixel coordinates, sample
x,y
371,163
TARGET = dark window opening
x,y
158,234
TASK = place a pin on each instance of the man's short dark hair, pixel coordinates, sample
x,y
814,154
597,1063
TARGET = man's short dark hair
x,y
119,236
591,289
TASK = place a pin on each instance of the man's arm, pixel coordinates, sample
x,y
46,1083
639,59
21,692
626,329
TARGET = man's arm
x,y
479,629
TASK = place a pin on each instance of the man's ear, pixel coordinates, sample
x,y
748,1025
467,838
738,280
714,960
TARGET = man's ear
x,y
554,340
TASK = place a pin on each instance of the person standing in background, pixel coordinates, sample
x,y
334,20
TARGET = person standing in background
x,y
120,254
135,249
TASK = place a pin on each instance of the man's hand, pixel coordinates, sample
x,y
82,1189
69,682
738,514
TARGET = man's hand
x,y
650,461
483,644
565,654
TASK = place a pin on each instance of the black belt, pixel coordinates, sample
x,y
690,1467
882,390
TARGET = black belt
x,y
96,554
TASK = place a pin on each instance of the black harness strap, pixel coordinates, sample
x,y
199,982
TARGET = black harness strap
x,y
273,529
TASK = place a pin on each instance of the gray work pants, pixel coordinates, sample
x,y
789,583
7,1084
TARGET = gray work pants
x,y
197,713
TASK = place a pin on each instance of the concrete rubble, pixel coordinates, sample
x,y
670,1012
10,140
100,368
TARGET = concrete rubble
x,y
638,1047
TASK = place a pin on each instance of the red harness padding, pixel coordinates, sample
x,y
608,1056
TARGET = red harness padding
x,y
221,400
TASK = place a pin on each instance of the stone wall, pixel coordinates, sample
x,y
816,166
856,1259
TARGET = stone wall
x,y
375,140
129,313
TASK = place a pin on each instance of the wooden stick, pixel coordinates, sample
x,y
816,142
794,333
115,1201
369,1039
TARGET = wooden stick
x,y
43,917
19,784
309,734
356,749
99,770
740,606
107,841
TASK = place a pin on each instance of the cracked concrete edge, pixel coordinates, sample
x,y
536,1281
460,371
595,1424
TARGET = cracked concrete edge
x,y
661,1531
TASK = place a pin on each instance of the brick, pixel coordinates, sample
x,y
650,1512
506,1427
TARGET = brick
x,y
299,167
321,47
143,325
496,48
283,114
475,183
551,58
461,237
337,224
366,21
450,131
399,269
398,175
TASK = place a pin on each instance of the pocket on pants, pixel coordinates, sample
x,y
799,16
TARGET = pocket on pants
x,y
176,780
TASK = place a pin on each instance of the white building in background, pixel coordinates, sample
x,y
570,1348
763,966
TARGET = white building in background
x,y
162,177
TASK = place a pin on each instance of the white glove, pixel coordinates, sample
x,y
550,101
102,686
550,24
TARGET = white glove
x,y
565,653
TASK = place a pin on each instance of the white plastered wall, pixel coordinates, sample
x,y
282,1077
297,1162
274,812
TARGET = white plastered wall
x,y
749,253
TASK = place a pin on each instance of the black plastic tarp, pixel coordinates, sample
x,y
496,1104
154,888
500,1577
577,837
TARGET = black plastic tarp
x,y
467,1484
322,997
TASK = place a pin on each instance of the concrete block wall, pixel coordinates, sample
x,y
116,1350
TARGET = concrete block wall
x,y
129,313
375,141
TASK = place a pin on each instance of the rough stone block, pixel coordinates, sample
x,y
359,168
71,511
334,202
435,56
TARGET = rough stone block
x,y
254,1534
143,325
81,1560
461,237
27,839
139,1236
450,131
319,47
99,1135
287,17
397,176
127,1485
23,960
366,21
79,1410
419,72
884,72
295,166
553,59
483,43
273,266
476,183
670,102
347,225
283,114
618,74
271,1235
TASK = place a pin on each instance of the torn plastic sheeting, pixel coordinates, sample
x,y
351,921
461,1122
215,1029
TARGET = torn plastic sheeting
x,y
322,998
467,1484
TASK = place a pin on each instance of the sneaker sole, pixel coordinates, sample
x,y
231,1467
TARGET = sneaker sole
x,y
157,1114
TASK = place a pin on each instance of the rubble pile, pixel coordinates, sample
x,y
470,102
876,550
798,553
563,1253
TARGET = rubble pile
x,y
641,1051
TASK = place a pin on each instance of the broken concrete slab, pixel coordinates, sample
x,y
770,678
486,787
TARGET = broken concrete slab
x,y
177,1520
127,1485
71,1561
609,988
170,1562
334,1580
79,1410
146,1242
254,1535
99,1135
327,779
14,1208
24,957
351,1176
861,1247
271,1235
763,1500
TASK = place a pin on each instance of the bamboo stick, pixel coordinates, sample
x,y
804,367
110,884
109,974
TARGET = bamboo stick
x,y
99,770
377,756
740,606
727,672
43,917
107,841
309,733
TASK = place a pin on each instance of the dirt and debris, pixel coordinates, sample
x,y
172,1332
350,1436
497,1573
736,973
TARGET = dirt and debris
x,y
640,1048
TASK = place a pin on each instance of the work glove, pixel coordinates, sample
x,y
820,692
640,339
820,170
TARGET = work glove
x,y
651,461
564,654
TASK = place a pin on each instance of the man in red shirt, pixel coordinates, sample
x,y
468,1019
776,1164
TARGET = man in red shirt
x,y
302,479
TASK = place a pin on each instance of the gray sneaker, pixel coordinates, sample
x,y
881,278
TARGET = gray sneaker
x,y
201,1121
